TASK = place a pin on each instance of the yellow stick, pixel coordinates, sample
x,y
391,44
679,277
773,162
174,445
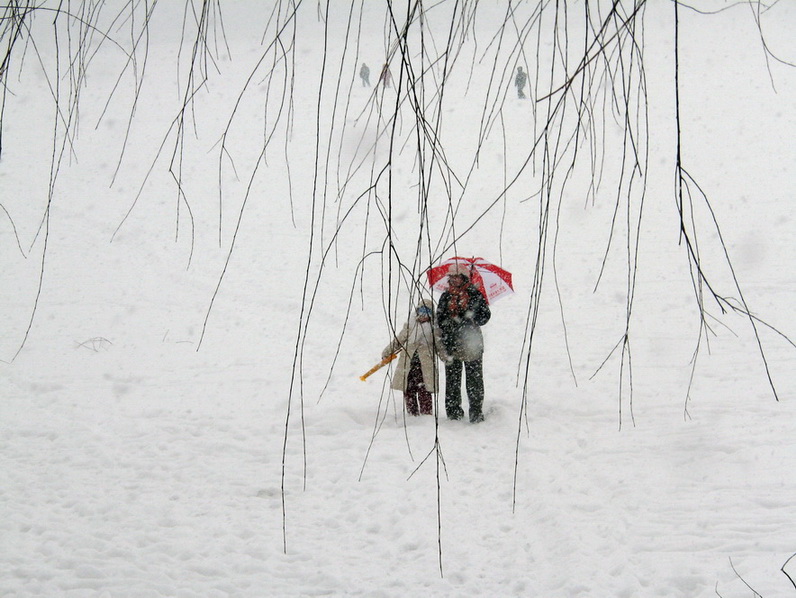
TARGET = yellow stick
x,y
378,366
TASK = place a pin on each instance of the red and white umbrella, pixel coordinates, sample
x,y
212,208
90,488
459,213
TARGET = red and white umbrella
x,y
493,281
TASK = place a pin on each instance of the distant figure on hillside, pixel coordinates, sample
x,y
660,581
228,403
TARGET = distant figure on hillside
x,y
417,374
364,73
519,81
386,76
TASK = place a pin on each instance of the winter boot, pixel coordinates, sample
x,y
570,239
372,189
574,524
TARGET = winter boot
x,y
454,412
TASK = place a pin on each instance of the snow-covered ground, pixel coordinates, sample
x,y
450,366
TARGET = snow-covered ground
x,y
133,464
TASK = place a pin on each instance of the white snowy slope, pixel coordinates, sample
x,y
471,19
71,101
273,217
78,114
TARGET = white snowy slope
x,y
135,462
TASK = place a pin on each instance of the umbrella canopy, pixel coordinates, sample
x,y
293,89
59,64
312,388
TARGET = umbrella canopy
x,y
493,281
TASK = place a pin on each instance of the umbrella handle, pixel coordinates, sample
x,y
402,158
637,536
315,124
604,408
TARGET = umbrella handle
x,y
378,366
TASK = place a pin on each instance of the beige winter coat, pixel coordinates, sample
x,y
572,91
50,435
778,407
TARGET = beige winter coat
x,y
415,337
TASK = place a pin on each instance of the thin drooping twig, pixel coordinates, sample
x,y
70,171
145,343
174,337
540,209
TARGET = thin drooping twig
x,y
785,564
139,76
739,576
64,125
684,183
260,160
296,367
14,230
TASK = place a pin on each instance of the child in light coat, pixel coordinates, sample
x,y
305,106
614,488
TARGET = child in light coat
x,y
417,375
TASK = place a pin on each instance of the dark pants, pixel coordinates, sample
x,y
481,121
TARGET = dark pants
x,y
474,381
416,397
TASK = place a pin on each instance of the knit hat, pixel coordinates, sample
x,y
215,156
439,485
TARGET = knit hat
x,y
459,270
423,311
425,308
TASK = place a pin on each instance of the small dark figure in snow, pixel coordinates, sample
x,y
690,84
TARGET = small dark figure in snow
x,y
364,74
520,81
461,312
417,374
385,76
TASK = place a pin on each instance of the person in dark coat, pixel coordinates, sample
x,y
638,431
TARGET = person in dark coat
x,y
519,81
461,312
364,73
385,76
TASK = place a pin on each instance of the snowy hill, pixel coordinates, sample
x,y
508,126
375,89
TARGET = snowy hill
x,y
185,418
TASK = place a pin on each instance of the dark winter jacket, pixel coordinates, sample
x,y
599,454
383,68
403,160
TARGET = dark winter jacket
x,y
461,334
520,80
